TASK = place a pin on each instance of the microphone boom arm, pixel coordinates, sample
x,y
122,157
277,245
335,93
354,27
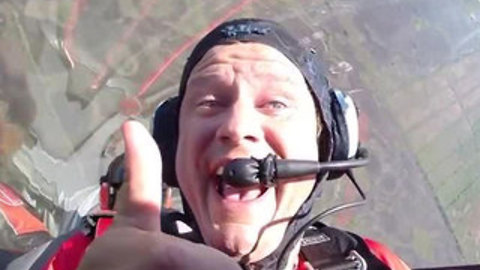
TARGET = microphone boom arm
x,y
245,172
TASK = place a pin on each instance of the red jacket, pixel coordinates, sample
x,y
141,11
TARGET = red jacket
x,y
69,252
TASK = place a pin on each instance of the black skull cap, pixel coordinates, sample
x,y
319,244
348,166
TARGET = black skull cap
x,y
272,34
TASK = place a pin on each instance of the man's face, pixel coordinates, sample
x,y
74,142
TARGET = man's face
x,y
244,100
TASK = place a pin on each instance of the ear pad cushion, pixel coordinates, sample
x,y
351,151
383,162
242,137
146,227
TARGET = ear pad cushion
x,y
165,133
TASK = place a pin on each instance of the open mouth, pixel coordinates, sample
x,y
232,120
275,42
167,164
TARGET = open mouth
x,y
232,193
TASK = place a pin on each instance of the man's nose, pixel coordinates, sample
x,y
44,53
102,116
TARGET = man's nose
x,y
241,123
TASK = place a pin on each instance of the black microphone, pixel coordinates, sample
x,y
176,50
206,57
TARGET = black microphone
x,y
246,172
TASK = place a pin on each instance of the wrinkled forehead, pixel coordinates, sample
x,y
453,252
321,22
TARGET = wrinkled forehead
x,y
248,58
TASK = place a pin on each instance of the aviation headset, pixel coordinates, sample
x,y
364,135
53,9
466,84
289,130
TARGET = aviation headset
x,y
338,139
339,136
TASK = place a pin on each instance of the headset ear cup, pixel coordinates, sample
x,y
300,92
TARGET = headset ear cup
x,y
165,134
344,127
339,128
350,114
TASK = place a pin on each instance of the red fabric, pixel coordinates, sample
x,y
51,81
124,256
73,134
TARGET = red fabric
x,y
16,213
70,253
385,255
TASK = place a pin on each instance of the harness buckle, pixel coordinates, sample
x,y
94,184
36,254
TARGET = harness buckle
x,y
360,263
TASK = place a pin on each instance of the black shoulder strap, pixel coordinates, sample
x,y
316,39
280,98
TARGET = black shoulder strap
x,y
329,248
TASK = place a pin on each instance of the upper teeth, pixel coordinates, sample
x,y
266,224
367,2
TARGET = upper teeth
x,y
220,171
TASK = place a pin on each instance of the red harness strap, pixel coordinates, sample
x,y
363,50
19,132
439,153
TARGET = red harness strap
x,y
71,251
103,224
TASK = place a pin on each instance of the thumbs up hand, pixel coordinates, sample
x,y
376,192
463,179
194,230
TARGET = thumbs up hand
x,y
135,240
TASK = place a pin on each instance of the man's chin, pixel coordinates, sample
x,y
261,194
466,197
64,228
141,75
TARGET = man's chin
x,y
241,241
236,240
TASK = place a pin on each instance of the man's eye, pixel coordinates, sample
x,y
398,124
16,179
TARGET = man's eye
x,y
276,105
